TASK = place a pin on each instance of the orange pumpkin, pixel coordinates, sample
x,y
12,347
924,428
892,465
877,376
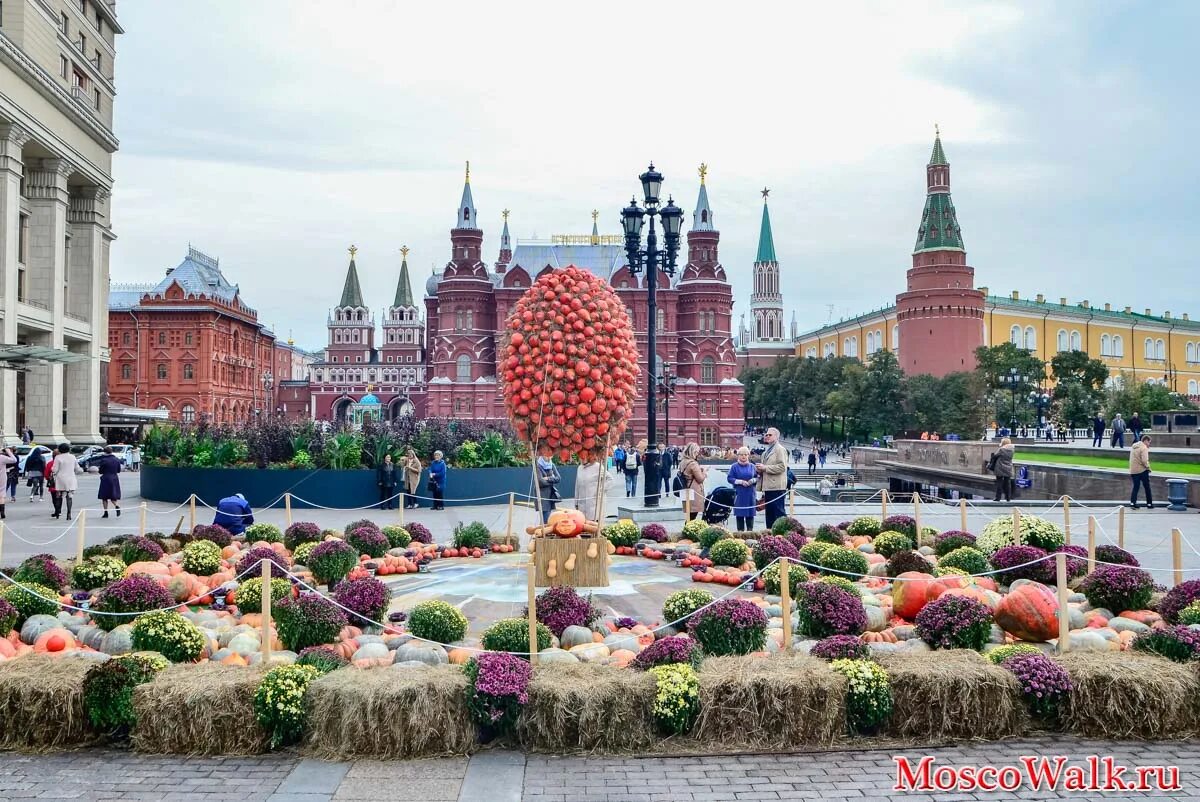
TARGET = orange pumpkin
x,y
566,523
54,640
1030,613
912,591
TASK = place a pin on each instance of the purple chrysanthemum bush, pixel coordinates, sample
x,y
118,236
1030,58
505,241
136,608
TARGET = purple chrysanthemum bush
x,y
499,689
41,569
368,540
214,532
251,560
771,547
948,541
1178,643
367,597
1076,561
1177,598
135,594
826,609
420,533
1014,562
665,651
905,524
561,607
1045,685
730,626
301,532
841,647
655,532
954,622
1118,589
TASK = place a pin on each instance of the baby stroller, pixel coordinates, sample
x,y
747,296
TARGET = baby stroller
x,y
718,506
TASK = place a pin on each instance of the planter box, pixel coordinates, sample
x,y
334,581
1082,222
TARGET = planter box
x,y
336,489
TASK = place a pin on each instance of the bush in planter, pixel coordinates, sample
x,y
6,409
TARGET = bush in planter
x,y
665,651
499,689
322,658
135,594
797,576
730,627
827,533
1045,685
170,634
655,532
692,529
8,617
420,533
1178,643
140,550
279,702
845,562
331,560
729,552
786,525
251,560
212,532
1002,653
811,553
946,542
308,620
201,557
967,559
1118,589
1108,553
864,526
437,621
361,523
676,698
31,599
622,533
954,622
796,539
1176,599
561,607
770,548
868,694
681,604
41,569
474,535
841,647
905,561
711,535
1034,532
108,690
512,635
303,553
1013,563
249,593
397,536
905,524
301,532
828,610
888,543
369,541
267,533
367,597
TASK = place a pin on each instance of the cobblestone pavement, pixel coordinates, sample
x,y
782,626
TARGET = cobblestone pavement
x,y
498,776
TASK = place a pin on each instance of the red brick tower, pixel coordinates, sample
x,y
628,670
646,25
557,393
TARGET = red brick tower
x,y
941,314
402,353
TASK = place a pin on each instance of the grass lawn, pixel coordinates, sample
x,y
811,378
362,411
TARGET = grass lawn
x,y
1118,461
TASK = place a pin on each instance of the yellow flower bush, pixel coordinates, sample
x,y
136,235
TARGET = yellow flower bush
x,y
168,633
677,698
868,695
279,702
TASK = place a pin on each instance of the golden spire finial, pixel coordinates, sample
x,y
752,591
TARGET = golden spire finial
x,y
404,252
936,131
353,250
765,193
703,172
595,214
504,214
468,171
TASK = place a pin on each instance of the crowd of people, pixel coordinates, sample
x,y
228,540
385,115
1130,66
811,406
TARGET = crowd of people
x,y
56,471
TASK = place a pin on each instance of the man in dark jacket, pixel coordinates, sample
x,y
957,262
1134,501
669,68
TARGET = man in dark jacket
x,y
35,467
234,513
666,465
1002,466
1097,431
633,461
1135,426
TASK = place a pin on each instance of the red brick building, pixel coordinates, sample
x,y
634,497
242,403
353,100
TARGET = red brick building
x,y
189,345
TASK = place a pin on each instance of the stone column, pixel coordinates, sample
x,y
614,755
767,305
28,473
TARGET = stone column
x,y
87,293
46,187
12,139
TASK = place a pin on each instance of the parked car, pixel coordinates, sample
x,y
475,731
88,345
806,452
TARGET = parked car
x,y
24,451
120,451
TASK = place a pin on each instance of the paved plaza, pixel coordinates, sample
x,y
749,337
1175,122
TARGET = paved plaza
x,y
852,775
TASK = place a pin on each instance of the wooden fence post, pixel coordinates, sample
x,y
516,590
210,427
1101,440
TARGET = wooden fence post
x,y
192,511
1091,543
785,601
1066,500
792,502
1016,526
82,522
1,542
266,612
1121,526
962,514
287,508
917,516
508,528
883,494
1064,613
1177,556
532,600
142,519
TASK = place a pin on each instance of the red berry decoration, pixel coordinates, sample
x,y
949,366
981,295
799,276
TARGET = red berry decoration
x,y
570,365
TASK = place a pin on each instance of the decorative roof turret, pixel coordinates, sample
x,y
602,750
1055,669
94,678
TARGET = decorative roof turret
x,y
467,217
939,229
702,218
505,240
766,243
595,228
404,294
351,291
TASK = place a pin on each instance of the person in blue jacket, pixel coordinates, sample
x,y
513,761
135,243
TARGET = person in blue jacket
x,y
437,480
745,483
234,514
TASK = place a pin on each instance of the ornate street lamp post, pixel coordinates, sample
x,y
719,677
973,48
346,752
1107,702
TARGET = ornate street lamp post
x,y
1014,380
667,382
268,381
1040,399
650,260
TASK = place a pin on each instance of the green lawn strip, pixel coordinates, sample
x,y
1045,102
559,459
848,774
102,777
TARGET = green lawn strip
x,y
1121,462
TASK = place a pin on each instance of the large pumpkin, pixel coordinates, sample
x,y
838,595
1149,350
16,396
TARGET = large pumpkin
x,y
569,365
1030,612
566,523
912,591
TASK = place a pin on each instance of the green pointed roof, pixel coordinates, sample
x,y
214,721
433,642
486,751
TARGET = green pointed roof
x,y
351,291
766,243
938,156
404,296
939,224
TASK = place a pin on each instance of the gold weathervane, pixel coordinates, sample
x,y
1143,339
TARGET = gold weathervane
x,y
595,214
353,250
404,252
703,172
468,171
504,214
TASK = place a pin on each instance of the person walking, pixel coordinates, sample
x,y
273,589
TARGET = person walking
x,y
135,459
1098,430
64,471
548,478
825,488
694,476
1135,426
772,476
12,474
588,478
437,481
745,498
110,484
7,460
618,458
55,496
822,455
812,462
35,470
386,479
666,467
1002,466
412,479
1118,431
1139,471
629,466
233,514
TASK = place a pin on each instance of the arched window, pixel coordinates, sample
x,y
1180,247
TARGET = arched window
x,y
1160,349
1105,345
459,320
1030,339
1118,346
1076,341
1193,387
1190,352
126,371
1149,349
463,364
125,338
1014,336
187,340
354,336
1063,342
895,338
870,343
708,370
188,413
162,338
162,371
188,371
662,319
470,319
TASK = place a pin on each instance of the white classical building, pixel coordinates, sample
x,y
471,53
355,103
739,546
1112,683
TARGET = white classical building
x,y
56,149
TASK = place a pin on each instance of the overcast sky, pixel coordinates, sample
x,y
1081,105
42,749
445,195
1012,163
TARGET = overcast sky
x,y
274,133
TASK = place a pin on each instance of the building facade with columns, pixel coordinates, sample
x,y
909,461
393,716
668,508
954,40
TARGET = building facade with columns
x,y
56,149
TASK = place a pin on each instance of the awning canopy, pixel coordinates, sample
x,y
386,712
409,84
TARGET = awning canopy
x,y
22,357
122,415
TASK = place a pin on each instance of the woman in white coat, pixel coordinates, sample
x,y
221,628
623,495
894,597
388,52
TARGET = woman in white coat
x,y
64,472
7,459
587,482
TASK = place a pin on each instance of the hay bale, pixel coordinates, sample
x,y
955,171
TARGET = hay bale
x,y
1126,695
779,702
389,713
953,693
41,703
199,709
586,707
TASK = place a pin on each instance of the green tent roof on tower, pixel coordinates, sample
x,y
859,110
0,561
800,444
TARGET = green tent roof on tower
x,y
766,243
351,291
938,156
404,296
